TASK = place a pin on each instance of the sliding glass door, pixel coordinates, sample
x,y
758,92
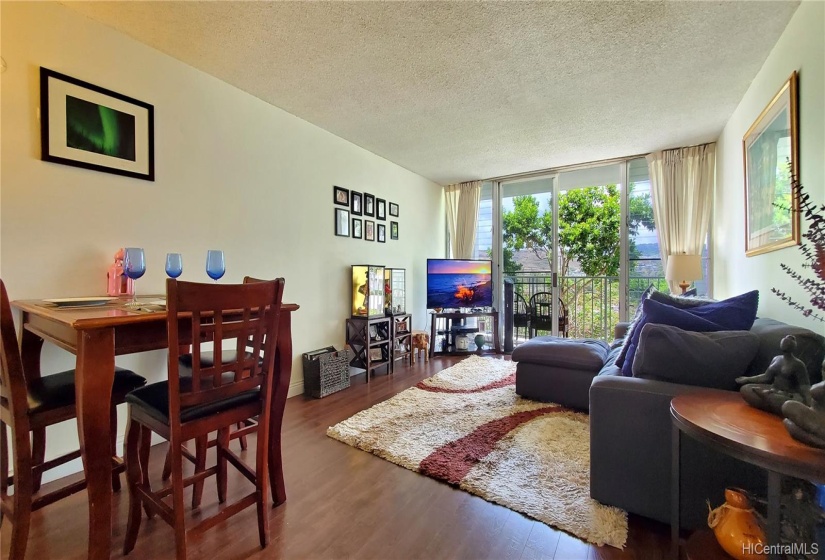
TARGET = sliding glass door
x,y
562,250
527,257
579,246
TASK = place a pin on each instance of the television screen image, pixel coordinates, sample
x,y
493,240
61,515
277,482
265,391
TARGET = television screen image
x,y
453,283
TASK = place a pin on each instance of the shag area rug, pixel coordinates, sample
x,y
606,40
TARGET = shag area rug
x,y
466,426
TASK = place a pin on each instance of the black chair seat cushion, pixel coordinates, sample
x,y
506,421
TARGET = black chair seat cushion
x,y
58,390
154,400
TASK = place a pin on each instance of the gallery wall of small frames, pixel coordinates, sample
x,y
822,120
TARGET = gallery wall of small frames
x,y
349,204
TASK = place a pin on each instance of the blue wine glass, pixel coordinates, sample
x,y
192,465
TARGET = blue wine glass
x,y
215,264
134,266
174,264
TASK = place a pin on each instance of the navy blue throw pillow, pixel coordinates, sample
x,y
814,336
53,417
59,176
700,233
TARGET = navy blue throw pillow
x,y
735,314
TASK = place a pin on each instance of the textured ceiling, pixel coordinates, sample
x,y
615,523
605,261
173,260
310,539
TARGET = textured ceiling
x,y
465,90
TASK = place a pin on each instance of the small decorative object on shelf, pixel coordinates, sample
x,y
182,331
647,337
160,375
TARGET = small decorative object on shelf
x,y
368,291
462,342
479,340
395,281
736,526
786,379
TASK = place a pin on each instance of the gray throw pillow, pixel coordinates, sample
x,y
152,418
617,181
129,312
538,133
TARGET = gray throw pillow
x,y
707,359
661,297
682,302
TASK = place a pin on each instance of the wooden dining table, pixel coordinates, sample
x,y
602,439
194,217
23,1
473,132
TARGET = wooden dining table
x,y
97,334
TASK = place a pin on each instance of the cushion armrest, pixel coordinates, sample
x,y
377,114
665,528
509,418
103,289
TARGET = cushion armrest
x,y
630,452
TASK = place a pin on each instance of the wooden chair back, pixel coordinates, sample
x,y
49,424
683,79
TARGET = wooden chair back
x,y
246,313
13,393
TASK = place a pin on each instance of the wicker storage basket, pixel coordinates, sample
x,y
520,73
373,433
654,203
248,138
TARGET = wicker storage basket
x,y
326,371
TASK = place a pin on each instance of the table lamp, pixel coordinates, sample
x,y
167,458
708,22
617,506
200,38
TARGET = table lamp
x,y
684,269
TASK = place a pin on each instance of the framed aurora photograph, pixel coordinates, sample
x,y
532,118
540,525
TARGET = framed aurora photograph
x,y
84,125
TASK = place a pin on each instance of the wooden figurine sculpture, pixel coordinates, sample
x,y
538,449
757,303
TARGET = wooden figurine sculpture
x,y
786,379
420,341
807,423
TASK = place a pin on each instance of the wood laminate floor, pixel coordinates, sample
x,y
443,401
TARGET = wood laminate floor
x,y
342,503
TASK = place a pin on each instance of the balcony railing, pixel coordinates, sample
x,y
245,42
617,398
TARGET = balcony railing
x,y
590,303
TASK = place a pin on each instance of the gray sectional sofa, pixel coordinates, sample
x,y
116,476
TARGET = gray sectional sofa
x,y
630,425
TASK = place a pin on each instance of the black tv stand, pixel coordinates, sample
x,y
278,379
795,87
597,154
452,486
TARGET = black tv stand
x,y
451,323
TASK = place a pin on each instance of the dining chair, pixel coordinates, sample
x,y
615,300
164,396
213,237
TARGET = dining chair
x,y
27,406
219,394
202,444
541,314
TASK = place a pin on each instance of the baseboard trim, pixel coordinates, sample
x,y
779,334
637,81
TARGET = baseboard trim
x,y
295,389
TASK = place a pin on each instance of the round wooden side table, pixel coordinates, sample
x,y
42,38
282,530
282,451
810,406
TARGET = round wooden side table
x,y
723,421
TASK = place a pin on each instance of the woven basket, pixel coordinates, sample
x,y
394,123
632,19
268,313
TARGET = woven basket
x,y
326,371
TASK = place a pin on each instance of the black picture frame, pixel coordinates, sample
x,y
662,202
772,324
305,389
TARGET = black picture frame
x,y
125,147
340,195
341,222
369,230
382,233
369,205
394,230
355,201
356,228
393,209
381,209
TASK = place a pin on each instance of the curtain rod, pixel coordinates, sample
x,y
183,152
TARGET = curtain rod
x,y
583,165
561,168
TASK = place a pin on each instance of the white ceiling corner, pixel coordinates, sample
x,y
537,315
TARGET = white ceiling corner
x,y
457,91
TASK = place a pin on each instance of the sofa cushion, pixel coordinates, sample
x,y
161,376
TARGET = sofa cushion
x,y
680,302
736,313
703,359
810,346
572,353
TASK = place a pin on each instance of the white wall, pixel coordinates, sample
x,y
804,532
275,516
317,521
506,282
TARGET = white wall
x,y
801,47
233,173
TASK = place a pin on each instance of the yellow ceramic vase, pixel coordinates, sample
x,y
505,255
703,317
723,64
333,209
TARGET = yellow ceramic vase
x,y
736,528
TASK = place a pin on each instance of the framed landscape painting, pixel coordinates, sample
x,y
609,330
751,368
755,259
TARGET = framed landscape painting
x,y
771,154
84,125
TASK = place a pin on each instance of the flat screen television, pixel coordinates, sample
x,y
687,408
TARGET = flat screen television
x,y
455,283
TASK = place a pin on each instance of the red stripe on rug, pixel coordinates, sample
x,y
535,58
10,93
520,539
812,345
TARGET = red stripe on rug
x,y
451,462
509,380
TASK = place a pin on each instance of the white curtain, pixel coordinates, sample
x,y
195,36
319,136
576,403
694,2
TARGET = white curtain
x,y
681,186
462,217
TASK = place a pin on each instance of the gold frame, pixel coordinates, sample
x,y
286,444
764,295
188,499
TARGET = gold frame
x,y
791,88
